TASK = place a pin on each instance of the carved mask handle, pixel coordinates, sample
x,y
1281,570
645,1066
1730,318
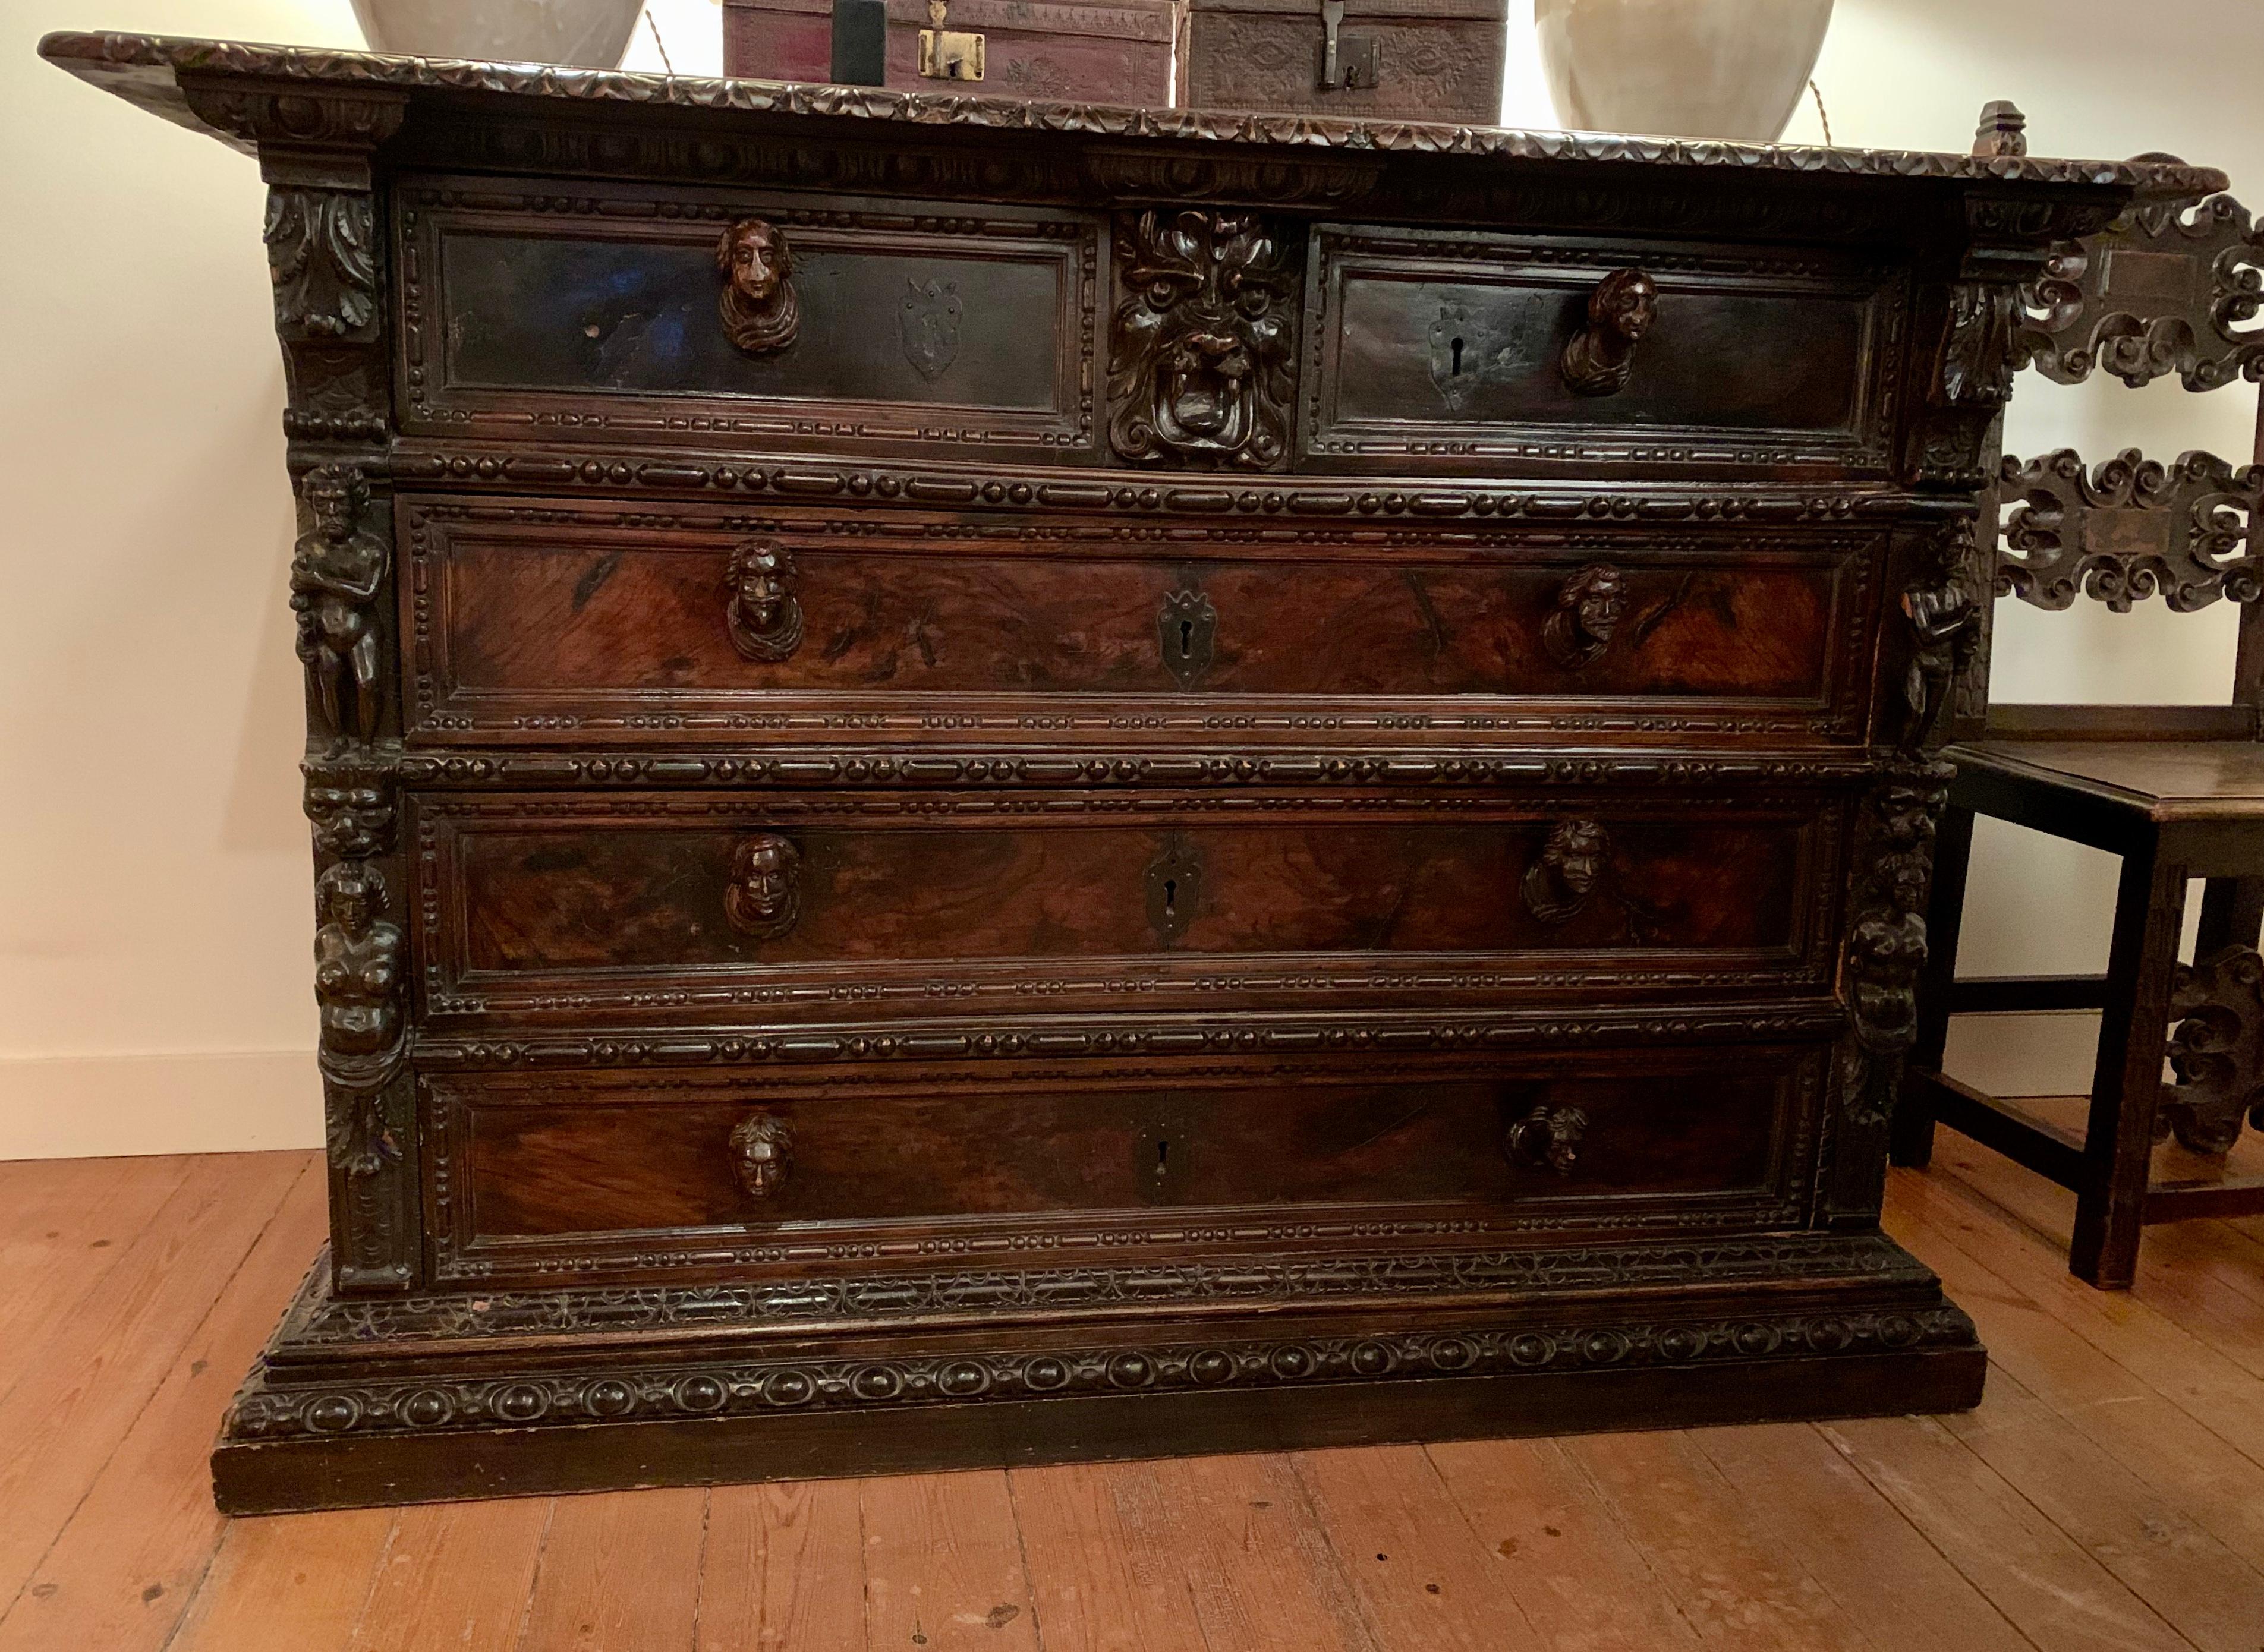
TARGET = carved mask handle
x,y
763,615
1547,1138
1589,606
759,311
763,897
1621,310
762,1155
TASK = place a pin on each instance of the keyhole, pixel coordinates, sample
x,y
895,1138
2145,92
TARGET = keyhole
x,y
1171,898
1163,1157
1186,639
1455,371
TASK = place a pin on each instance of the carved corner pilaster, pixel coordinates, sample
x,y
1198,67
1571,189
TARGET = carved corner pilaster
x,y
361,984
1881,959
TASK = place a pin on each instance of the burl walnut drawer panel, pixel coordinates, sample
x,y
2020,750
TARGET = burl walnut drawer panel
x,y
610,316
1452,354
554,623
579,1170
798,905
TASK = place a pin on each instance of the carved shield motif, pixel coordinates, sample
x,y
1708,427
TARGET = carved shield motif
x,y
929,321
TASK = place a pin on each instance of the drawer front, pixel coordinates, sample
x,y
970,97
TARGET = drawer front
x,y
582,1170
1452,355
807,905
564,624
608,316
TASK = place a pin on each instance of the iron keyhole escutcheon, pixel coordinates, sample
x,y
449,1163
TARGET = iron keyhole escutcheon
x,y
1174,889
1185,626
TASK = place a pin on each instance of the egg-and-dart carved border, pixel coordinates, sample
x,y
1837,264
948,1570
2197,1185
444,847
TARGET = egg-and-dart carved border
x,y
436,1403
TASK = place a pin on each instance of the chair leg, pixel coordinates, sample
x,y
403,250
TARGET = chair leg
x,y
2231,914
1910,1137
2126,1085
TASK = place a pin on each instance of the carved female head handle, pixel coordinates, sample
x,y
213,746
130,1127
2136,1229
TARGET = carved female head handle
x,y
1621,310
1586,617
759,310
1559,883
763,897
762,614
762,1153
1547,1138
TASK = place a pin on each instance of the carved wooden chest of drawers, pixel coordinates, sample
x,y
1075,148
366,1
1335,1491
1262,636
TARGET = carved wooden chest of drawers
x,y
995,782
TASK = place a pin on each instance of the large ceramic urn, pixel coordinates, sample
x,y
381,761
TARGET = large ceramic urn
x,y
1688,69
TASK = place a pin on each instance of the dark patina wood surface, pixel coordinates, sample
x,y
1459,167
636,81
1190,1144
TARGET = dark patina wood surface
x,y
996,782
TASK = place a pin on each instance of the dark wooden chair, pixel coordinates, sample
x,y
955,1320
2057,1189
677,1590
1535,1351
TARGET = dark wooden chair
x,y
2177,792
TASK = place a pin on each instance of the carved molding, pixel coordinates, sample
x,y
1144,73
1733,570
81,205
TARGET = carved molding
x,y
1202,340
113,56
2216,1051
2162,290
820,767
433,1403
337,569
2128,529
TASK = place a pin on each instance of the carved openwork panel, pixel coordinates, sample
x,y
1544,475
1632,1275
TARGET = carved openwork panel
x,y
2162,290
2128,529
1199,352
2216,1051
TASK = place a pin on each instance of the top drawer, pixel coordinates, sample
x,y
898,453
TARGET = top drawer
x,y
675,316
1458,353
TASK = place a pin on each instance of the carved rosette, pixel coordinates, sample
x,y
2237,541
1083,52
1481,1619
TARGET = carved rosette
x,y
2216,1051
2128,529
1198,356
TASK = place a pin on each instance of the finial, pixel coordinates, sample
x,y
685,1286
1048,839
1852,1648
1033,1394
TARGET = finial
x,y
2003,130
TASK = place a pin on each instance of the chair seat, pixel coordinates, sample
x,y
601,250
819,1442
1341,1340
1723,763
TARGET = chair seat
x,y
2164,780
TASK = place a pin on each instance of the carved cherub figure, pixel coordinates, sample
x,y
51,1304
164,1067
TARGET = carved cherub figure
x,y
1589,606
335,571
764,617
760,312
1601,355
764,897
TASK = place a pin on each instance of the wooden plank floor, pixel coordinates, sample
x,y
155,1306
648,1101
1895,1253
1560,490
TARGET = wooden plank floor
x,y
2108,1493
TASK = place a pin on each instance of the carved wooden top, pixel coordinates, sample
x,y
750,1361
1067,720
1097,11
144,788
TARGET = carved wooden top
x,y
146,70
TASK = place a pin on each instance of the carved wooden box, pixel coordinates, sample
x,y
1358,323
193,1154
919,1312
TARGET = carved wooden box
x,y
998,782
1111,51
1415,60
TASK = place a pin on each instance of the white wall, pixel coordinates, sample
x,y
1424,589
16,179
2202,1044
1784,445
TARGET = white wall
x,y
154,904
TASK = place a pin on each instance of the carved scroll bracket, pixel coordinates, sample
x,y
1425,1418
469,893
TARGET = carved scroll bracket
x,y
2216,1051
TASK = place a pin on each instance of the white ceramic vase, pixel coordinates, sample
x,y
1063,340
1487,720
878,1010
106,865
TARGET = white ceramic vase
x,y
1684,68
585,34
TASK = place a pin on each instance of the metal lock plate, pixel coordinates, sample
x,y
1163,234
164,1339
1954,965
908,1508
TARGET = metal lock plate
x,y
948,54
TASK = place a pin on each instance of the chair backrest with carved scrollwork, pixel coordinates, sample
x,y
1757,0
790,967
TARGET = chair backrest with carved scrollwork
x,y
2169,288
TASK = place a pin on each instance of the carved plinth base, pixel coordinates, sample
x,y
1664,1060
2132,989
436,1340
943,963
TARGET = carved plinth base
x,y
408,1399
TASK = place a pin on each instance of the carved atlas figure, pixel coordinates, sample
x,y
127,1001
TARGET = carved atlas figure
x,y
335,571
